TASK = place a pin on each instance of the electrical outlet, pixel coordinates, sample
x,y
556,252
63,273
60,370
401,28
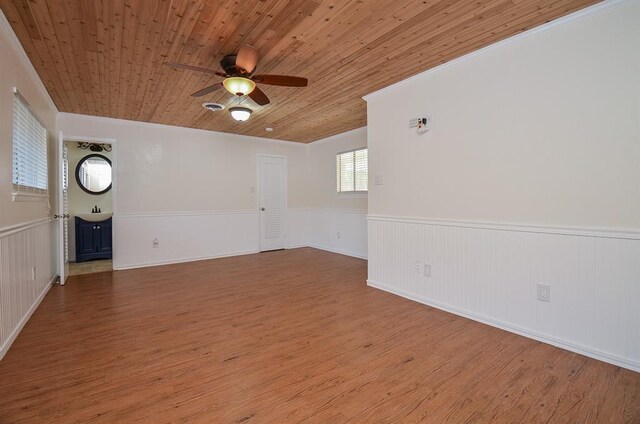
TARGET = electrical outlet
x,y
544,293
418,267
338,235
156,243
427,270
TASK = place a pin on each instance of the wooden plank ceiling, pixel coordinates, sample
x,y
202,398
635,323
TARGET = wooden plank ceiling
x,y
104,57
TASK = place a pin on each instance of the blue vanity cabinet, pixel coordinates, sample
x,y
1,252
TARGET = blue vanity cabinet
x,y
104,235
93,240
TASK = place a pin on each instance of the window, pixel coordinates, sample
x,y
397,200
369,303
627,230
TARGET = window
x,y
352,171
29,151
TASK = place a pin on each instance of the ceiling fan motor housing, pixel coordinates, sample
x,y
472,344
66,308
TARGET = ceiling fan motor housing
x,y
228,64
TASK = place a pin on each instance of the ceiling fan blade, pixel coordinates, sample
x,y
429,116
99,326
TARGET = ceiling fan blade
x,y
247,58
259,97
283,80
207,90
192,68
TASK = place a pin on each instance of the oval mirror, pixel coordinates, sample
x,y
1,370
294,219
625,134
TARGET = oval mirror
x,y
93,174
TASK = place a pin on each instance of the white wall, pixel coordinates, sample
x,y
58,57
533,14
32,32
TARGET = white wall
x,y
164,169
322,171
530,174
337,222
26,233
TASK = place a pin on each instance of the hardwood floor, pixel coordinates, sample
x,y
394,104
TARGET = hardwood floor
x,y
286,337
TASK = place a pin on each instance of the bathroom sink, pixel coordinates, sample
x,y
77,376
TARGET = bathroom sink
x,y
93,217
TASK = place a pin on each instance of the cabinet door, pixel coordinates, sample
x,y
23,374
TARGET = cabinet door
x,y
104,237
85,238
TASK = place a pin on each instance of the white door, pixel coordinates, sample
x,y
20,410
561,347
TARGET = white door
x,y
62,214
272,185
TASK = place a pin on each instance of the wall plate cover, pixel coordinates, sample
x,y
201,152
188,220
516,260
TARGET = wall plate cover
x,y
544,293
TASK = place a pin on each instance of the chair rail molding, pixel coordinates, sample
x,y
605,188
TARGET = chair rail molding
x,y
620,233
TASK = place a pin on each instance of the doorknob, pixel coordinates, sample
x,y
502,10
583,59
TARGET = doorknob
x,y
262,209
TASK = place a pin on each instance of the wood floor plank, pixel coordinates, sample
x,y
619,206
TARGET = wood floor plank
x,y
293,336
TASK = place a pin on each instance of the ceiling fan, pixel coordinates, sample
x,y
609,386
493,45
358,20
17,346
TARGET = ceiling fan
x,y
239,78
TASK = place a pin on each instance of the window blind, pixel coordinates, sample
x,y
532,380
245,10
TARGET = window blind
x,y
352,171
29,150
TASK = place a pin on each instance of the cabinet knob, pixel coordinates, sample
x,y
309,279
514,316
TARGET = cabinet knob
x,y
262,209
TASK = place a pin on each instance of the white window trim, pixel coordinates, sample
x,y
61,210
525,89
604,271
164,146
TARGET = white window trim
x,y
22,196
353,193
22,193
348,194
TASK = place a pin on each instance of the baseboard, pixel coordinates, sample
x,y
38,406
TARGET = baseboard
x,y
339,251
563,344
5,347
296,246
181,260
226,255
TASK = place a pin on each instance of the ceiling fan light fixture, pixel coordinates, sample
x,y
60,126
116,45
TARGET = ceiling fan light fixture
x,y
240,114
239,86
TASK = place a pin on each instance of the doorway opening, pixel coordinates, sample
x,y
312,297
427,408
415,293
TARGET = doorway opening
x,y
88,198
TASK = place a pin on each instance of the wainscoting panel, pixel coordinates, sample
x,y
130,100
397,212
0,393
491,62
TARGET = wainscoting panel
x,y
183,237
490,273
298,227
27,268
189,236
339,230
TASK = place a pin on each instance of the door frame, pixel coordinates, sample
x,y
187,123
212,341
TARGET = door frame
x,y
114,184
285,227
62,257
